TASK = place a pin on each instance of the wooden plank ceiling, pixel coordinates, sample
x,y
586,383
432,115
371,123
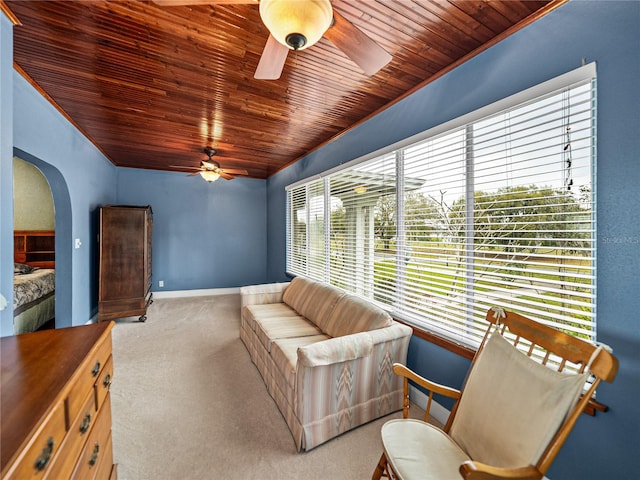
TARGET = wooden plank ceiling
x,y
152,85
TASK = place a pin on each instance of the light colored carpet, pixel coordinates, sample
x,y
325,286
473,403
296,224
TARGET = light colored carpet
x,y
189,404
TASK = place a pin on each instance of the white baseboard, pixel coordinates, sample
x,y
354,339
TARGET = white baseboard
x,y
196,293
438,412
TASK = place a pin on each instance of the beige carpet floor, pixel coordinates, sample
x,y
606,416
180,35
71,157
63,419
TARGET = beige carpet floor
x,y
189,404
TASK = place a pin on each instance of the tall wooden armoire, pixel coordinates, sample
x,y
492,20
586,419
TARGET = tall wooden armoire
x,y
125,262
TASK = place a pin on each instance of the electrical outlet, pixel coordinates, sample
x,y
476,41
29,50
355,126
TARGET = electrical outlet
x,y
161,283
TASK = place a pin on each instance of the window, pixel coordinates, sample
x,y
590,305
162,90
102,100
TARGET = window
x,y
494,208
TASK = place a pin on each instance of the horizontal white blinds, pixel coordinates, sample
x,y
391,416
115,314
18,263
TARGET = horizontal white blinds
x,y
498,211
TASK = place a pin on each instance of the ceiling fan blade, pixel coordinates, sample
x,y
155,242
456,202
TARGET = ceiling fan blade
x,y
272,60
182,167
369,56
226,176
176,3
235,171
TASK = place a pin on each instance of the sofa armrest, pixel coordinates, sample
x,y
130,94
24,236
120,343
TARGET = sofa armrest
x,y
393,332
336,350
262,294
349,347
338,375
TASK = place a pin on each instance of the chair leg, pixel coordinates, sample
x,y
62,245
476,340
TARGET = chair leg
x,y
381,469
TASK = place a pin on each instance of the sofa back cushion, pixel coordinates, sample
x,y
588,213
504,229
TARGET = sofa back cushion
x,y
353,314
311,299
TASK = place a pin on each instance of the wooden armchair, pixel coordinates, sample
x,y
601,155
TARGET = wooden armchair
x,y
527,386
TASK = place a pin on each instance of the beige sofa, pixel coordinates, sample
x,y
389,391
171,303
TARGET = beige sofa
x,y
325,356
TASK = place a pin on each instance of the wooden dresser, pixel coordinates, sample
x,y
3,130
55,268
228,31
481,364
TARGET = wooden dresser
x,y
55,404
125,262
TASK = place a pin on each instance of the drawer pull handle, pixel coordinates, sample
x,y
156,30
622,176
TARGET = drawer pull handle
x,y
96,369
94,456
107,381
86,423
43,460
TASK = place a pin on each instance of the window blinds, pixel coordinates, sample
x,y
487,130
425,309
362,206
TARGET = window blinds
x,y
496,209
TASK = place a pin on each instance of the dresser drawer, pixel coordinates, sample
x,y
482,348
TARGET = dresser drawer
x,y
97,447
67,457
39,454
103,384
105,463
89,372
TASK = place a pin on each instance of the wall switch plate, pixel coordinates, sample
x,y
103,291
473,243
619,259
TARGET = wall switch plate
x,y
77,243
161,283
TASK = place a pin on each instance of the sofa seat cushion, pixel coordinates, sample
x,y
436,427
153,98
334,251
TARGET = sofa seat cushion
x,y
284,353
353,314
270,310
274,328
313,300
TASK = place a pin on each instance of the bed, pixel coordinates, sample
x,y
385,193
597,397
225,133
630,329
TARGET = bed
x,y
33,297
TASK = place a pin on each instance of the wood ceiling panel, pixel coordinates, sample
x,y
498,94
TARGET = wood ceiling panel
x,y
151,85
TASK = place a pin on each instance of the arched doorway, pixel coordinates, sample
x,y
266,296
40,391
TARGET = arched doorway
x,y
63,242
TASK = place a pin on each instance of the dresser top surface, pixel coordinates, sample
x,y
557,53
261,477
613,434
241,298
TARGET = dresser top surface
x,y
34,369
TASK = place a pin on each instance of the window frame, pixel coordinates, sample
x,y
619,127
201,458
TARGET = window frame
x,y
586,73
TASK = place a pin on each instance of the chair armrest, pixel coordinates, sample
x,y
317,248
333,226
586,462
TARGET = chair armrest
x,y
471,470
434,387
262,294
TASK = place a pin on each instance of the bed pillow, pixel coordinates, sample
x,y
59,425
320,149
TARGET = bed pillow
x,y
21,268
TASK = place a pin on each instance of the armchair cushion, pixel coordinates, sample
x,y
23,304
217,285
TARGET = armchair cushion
x,y
511,406
411,444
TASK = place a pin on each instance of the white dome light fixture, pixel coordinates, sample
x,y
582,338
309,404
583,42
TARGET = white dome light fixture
x,y
209,175
297,24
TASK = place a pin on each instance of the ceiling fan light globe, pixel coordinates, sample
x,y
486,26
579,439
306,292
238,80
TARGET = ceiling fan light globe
x,y
210,176
296,18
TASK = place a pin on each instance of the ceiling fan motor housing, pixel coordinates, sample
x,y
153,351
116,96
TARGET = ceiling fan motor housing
x,y
296,41
297,24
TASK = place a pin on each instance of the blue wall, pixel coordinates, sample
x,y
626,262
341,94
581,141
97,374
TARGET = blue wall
x,y
605,446
6,171
232,233
81,178
204,235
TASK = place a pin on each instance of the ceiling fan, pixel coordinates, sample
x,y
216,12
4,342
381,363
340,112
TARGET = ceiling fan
x,y
210,170
299,24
